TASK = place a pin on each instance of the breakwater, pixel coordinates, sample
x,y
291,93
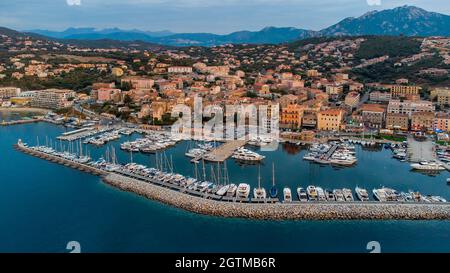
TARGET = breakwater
x,y
264,211
19,122
281,211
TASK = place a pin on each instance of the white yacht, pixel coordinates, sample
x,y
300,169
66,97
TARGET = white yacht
x,y
195,153
339,195
428,166
259,193
287,195
247,155
243,190
362,194
302,195
312,193
231,192
348,195
380,195
223,190
321,194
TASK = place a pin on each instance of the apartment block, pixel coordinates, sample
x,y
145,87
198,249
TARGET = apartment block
x,y
53,99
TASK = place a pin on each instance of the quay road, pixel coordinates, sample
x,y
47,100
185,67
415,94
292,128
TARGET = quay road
x,y
421,150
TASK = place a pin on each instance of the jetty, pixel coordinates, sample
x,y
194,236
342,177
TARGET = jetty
x,y
19,122
223,152
282,211
265,209
61,161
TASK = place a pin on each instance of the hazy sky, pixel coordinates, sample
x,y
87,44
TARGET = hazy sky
x,y
218,16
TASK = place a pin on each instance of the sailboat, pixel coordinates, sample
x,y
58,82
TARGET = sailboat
x,y
274,189
259,193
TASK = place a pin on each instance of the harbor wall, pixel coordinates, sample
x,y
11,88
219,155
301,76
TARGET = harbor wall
x,y
263,211
281,211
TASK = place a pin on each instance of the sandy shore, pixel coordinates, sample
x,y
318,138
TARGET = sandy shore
x,y
25,110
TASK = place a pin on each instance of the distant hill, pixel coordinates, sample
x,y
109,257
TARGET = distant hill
x,y
405,20
10,32
269,35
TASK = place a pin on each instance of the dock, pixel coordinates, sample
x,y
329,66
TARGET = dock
x,y
18,122
421,151
264,209
223,152
331,152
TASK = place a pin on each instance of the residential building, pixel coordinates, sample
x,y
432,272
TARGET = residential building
x,y
352,99
138,82
396,121
409,107
108,94
442,95
401,91
9,92
180,69
312,73
53,99
334,90
422,121
378,96
291,116
330,120
373,115
442,122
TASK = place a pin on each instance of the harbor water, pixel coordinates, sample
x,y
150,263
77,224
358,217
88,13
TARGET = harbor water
x,y
43,206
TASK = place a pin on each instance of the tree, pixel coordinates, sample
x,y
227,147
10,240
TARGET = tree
x,y
127,99
126,86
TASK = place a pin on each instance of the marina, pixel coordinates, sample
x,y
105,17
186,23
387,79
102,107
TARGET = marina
x,y
79,187
114,172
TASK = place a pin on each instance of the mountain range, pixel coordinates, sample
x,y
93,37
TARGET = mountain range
x,y
405,20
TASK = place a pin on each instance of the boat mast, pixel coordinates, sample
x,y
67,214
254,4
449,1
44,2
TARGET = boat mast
x,y
196,170
273,174
259,177
204,170
218,173
212,174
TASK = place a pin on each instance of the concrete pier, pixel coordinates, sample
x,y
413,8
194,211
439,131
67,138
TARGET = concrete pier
x,y
421,151
18,122
283,211
224,151
209,204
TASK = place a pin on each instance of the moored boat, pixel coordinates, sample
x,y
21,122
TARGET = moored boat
x,y
362,194
287,195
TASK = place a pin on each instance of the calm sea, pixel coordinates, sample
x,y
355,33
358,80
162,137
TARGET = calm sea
x,y
43,206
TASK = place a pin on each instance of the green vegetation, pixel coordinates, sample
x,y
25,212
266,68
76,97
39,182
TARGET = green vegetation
x,y
78,80
387,137
387,72
393,138
393,46
166,120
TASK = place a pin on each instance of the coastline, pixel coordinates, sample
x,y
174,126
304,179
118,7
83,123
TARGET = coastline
x,y
280,211
24,110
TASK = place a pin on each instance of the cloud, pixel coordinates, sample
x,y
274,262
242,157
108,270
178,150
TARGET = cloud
x,y
73,2
374,2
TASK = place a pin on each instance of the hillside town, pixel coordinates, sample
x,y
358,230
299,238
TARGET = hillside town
x,y
314,84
